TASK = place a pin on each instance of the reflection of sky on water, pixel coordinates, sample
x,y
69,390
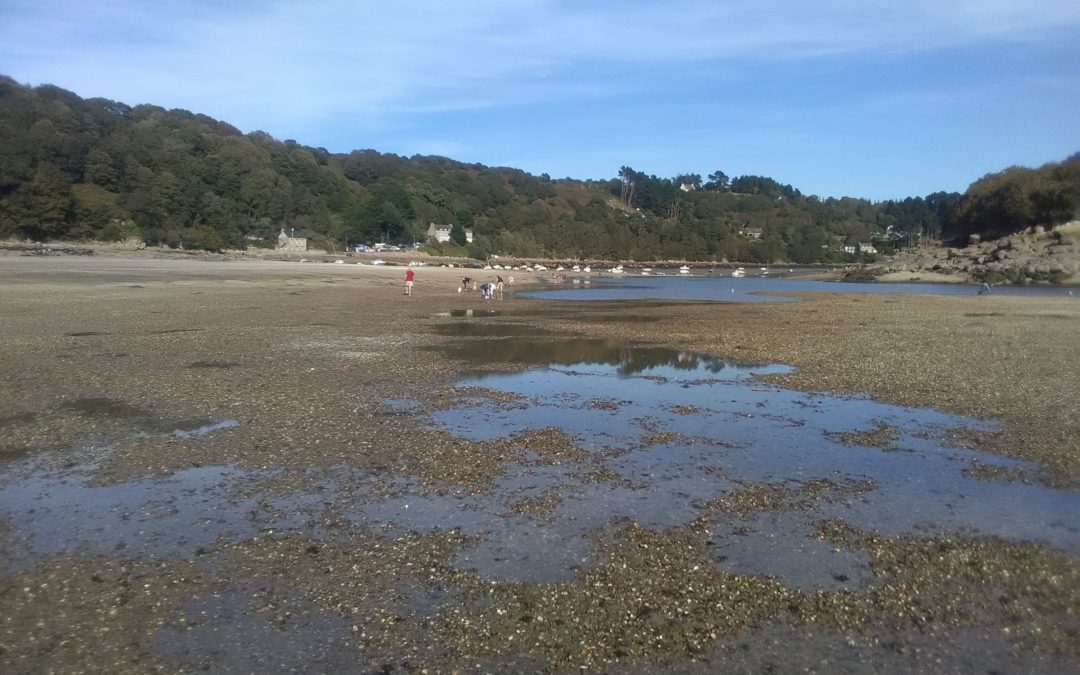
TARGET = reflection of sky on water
x,y
585,354
722,430
746,289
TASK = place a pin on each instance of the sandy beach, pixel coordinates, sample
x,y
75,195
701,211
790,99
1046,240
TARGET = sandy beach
x,y
132,371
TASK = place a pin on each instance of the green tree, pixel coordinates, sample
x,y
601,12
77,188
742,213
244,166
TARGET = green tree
x,y
50,204
101,170
457,234
718,181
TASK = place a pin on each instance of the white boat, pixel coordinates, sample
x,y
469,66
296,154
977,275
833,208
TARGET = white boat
x,y
587,269
576,268
738,272
684,270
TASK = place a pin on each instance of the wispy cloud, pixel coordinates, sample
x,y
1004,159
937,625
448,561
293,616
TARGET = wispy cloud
x,y
294,61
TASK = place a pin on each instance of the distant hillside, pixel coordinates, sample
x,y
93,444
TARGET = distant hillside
x,y
77,169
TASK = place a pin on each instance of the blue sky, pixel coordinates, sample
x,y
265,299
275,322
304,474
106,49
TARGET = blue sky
x,y
836,97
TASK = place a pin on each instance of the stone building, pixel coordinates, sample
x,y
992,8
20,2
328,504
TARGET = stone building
x,y
292,240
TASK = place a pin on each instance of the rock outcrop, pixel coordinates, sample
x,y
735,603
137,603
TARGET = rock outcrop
x,y
1035,257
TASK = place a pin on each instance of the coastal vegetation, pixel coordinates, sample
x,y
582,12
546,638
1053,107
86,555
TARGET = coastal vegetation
x,y
97,169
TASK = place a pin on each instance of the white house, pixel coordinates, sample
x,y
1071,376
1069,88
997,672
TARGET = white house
x,y
441,233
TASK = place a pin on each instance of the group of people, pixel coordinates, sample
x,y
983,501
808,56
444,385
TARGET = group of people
x,y
488,289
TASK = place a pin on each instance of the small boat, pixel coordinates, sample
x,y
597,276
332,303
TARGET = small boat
x,y
587,269
685,269
738,272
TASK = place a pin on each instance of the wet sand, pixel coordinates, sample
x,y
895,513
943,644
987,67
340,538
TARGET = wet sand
x,y
126,371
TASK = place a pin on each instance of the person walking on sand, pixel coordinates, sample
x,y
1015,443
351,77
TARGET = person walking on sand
x,y
409,276
498,284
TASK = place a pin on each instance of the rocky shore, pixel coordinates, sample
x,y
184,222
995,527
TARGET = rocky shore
x,y
1031,258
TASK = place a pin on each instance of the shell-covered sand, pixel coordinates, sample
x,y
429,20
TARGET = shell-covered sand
x,y
304,357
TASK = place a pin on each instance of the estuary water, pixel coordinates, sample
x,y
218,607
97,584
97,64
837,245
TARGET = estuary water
x,y
757,289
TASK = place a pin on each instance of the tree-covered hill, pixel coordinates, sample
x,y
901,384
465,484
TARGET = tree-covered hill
x,y
1017,199
73,168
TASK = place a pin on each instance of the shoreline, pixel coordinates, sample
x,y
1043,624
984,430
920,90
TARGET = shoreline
x,y
877,272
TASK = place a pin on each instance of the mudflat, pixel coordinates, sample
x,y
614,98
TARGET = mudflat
x,y
253,466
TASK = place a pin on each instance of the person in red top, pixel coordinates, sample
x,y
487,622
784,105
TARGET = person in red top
x,y
409,275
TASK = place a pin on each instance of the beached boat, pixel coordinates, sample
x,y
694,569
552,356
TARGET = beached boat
x,y
738,272
685,269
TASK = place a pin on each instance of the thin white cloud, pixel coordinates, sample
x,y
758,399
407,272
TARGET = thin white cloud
x,y
292,67
369,56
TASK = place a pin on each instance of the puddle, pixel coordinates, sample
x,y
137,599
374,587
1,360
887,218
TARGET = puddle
x,y
197,429
104,407
468,313
145,422
487,330
670,432
62,510
784,545
17,419
225,632
789,649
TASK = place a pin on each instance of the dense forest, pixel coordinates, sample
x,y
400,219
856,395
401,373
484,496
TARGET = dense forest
x,y
83,169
